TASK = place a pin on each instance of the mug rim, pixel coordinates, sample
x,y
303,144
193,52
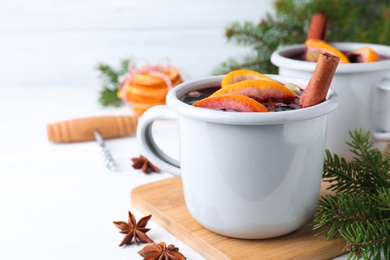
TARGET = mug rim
x,y
279,59
246,118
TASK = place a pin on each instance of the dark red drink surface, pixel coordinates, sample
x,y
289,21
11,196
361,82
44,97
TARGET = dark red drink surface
x,y
352,58
274,105
196,95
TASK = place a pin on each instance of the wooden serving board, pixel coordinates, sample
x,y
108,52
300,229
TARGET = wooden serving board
x,y
164,200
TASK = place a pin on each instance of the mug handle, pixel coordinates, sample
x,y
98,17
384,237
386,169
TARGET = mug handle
x,y
148,144
383,92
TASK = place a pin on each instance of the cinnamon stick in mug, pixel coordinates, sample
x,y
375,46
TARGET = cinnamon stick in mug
x,y
319,84
318,27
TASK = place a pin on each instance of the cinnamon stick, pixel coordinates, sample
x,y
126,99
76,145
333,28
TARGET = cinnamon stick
x,y
318,27
319,84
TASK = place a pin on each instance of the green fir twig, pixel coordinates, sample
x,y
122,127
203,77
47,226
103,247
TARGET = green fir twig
x,y
110,82
350,21
359,210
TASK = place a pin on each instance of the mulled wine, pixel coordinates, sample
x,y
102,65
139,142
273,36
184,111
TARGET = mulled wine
x,y
274,105
353,58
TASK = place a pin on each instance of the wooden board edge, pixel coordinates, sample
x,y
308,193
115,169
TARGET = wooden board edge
x,y
191,239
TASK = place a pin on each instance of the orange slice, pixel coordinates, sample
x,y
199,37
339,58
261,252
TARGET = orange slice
x,y
258,89
232,102
315,47
149,79
240,75
364,54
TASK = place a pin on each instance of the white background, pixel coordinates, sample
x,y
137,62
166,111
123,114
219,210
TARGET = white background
x,y
61,41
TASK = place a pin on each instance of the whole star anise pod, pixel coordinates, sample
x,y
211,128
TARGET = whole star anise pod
x,y
135,230
161,251
144,164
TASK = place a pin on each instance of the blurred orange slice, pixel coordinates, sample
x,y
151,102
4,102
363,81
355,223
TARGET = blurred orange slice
x,y
315,47
150,79
148,89
231,102
259,89
364,54
241,75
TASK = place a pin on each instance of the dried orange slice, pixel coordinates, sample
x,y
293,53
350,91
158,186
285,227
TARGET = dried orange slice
x,y
240,75
231,102
148,88
315,47
364,54
155,79
258,89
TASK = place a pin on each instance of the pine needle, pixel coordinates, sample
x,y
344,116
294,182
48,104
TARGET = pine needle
x,y
109,77
350,21
359,211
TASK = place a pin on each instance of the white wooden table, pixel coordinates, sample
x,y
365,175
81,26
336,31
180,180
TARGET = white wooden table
x,y
58,201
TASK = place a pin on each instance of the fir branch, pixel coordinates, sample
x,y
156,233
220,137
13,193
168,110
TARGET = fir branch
x,y
368,171
251,62
350,21
384,200
110,82
246,34
108,73
108,96
337,212
368,240
359,211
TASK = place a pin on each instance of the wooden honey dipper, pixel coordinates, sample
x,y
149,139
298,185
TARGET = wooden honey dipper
x,y
81,130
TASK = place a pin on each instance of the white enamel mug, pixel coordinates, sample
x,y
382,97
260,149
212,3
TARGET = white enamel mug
x,y
245,175
363,89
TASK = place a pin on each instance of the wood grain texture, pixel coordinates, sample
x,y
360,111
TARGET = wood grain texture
x,y
164,200
80,130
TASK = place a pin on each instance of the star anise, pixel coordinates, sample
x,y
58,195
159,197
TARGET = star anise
x,y
144,164
160,251
135,230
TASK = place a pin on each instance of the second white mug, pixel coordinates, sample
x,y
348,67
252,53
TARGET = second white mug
x,y
363,89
